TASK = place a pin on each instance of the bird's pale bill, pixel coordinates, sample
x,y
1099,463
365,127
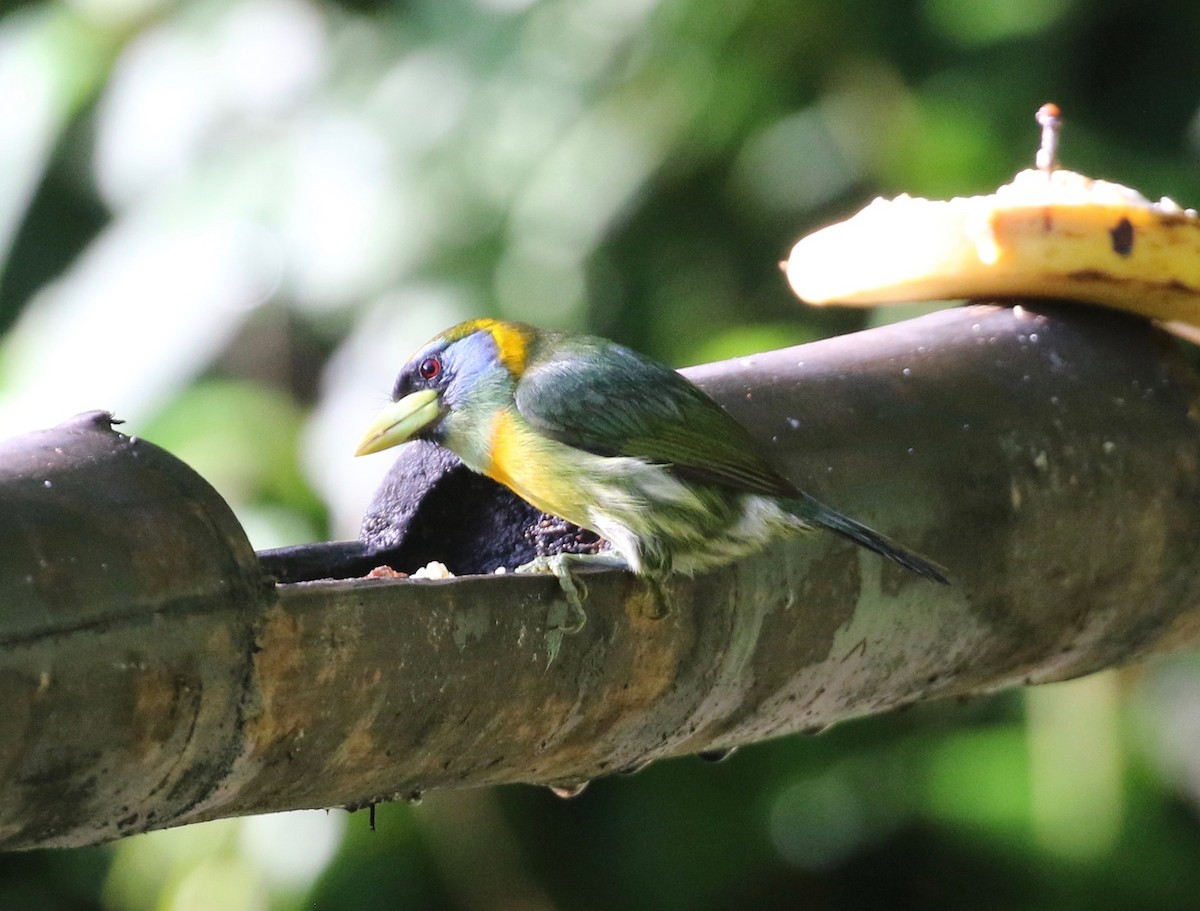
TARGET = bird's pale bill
x,y
400,421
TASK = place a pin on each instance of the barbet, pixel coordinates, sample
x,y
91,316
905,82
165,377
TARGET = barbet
x,y
599,435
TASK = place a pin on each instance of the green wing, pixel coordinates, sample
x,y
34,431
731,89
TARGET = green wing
x,y
604,398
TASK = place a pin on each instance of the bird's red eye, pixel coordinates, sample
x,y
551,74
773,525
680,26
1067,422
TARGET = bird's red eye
x,y
429,368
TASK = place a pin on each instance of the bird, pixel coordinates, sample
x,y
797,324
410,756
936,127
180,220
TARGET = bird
x,y
611,440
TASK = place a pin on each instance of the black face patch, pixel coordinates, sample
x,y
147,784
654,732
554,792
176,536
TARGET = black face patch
x,y
1122,237
430,371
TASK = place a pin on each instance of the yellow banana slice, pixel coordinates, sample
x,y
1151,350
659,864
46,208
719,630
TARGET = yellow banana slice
x,y
1048,233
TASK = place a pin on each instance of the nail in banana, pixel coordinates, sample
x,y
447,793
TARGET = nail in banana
x,y
1048,233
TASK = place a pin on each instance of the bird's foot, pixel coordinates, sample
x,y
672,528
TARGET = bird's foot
x,y
660,601
573,588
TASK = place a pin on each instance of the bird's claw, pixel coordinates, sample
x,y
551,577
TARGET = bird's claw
x,y
576,612
660,601
573,589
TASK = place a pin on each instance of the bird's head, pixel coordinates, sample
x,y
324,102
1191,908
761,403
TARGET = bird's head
x,y
452,388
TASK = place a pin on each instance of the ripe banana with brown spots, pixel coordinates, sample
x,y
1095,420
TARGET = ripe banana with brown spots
x,y
1048,233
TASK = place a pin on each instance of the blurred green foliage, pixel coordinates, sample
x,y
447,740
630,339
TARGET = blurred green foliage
x,y
230,220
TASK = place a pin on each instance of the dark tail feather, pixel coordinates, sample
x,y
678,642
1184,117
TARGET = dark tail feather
x,y
814,512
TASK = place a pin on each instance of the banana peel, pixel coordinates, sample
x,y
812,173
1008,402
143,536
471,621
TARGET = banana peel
x,y
1049,233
